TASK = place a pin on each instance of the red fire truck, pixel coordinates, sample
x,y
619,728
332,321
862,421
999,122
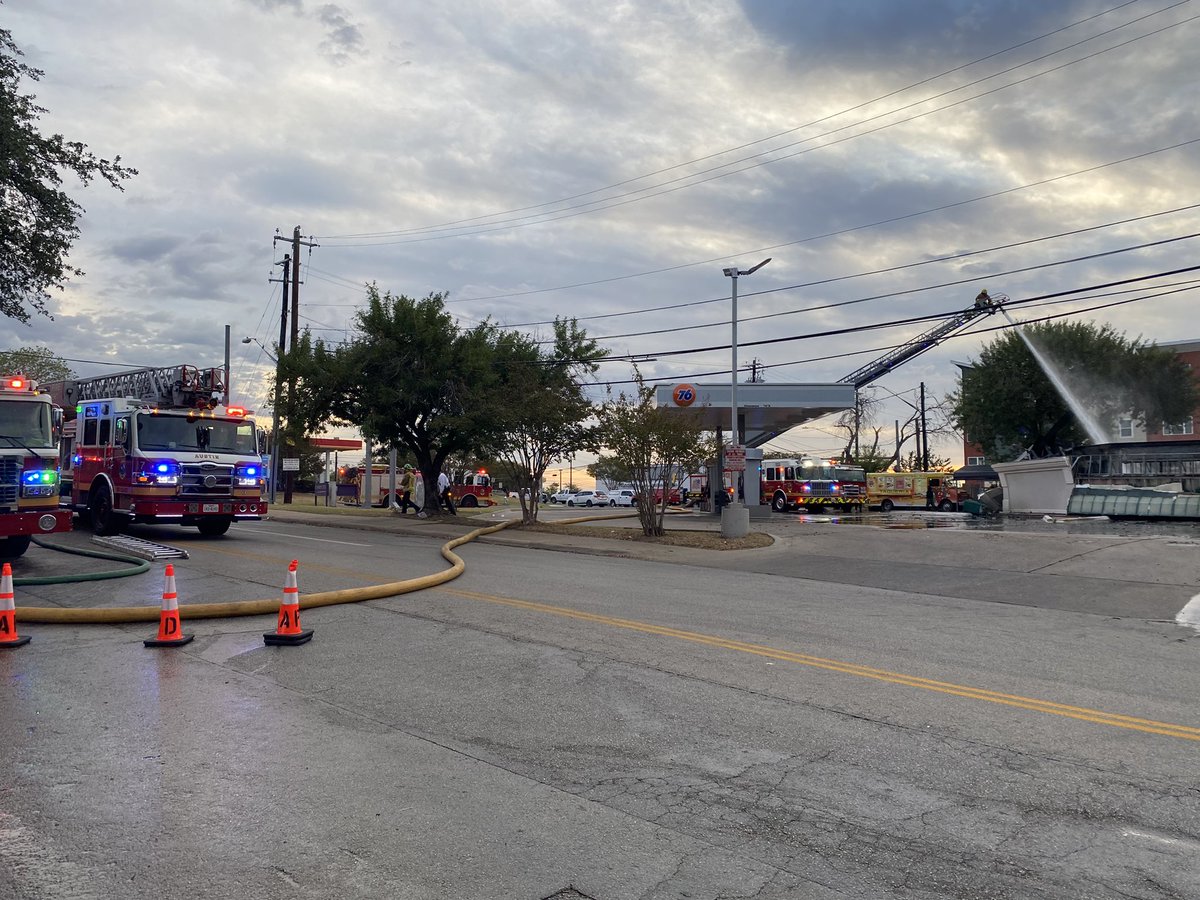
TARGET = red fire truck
x,y
153,445
811,484
29,427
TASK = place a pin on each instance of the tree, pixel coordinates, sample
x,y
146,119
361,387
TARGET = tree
x,y
610,472
416,380
543,409
1008,404
38,221
650,443
39,363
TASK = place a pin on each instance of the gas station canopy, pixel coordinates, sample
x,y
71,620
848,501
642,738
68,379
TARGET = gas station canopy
x,y
764,410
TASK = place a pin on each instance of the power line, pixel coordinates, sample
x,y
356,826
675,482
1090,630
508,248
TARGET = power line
x,y
572,212
907,291
974,332
906,321
831,116
884,271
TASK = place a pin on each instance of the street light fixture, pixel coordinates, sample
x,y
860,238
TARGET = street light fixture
x,y
274,418
735,519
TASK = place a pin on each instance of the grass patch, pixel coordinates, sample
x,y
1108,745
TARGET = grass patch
x,y
700,540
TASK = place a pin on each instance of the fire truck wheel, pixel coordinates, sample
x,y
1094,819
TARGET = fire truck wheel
x,y
214,527
12,547
886,505
947,506
100,511
468,501
779,503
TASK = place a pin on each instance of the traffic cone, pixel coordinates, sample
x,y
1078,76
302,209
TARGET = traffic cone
x,y
8,615
170,632
287,631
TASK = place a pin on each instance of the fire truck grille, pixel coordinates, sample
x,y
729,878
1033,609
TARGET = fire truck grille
x,y
207,480
10,477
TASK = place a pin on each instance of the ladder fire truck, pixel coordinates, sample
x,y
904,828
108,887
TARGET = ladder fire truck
x,y
29,427
153,445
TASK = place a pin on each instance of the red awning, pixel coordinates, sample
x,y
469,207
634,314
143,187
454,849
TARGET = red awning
x,y
335,444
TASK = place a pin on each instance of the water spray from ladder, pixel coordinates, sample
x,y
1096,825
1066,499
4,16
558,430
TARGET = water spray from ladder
x,y
1086,419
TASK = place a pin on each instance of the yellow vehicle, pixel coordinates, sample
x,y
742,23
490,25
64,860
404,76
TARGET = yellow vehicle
x,y
915,490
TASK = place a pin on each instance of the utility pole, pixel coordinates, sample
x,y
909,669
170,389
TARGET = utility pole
x,y
276,444
924,433
296,243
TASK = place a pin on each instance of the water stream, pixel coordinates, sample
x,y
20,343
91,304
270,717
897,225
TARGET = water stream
x,y
1086,419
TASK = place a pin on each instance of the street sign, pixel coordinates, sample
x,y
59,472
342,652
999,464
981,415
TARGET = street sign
x,y
735,459
291,464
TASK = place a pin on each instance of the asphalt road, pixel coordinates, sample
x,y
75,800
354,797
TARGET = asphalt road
x,y
851,713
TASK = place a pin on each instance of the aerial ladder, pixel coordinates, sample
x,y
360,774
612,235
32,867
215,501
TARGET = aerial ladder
x,y
984,306
169,387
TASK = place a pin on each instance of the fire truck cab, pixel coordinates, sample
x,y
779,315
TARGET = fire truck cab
x,y
170,455
29,427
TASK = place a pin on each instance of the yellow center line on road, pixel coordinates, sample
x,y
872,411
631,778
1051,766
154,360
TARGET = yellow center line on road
x,y
1081,713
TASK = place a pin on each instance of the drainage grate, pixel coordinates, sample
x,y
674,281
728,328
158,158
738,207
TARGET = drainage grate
x,y
140,548
569,893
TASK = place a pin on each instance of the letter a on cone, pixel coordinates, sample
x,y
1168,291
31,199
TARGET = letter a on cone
x,y
288,632
170,633
8,615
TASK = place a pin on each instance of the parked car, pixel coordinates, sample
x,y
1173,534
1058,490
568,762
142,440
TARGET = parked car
x,y
561,496
623,497
588,498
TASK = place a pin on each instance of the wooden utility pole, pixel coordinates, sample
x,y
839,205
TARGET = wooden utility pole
x,y
276,418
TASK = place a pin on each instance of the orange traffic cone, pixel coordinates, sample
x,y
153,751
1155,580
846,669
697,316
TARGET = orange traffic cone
x,y
287,632
170,632
8,615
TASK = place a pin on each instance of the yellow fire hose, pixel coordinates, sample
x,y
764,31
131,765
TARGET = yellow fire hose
x,y
118,615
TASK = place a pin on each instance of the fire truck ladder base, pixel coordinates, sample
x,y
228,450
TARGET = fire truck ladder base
x,y
140,548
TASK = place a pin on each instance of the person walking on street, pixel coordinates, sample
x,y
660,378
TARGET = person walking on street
x,y
444,495
408,484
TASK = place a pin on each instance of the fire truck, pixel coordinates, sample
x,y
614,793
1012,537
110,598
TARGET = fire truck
x,y
153,446
811,484
468,488
936,490
29,426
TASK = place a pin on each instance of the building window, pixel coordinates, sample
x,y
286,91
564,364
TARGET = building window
x,y
976,461
1184,427
1124,427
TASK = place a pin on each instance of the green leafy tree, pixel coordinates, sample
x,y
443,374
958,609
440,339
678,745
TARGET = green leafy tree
x,y
610,471
543,409
416,380
650,442
38,221
1008,404
39,363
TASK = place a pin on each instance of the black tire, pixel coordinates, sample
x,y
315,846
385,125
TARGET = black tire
x,y
214,527
612,502
570,503
886,505
12,547
101,514
468,502
779,502
946,506
589,503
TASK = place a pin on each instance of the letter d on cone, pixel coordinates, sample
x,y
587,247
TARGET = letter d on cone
x,y
170,632
287,632
8,615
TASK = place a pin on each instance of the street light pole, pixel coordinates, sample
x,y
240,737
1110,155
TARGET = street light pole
x,y
735,518
733,272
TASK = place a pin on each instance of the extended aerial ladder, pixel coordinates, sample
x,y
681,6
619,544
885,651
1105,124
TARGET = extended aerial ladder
x,y
170,387
984,306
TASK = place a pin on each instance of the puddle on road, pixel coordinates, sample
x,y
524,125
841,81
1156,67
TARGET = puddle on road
x,y
1102,525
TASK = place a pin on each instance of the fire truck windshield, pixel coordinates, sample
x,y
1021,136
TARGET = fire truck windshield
x,y
25,424
168,432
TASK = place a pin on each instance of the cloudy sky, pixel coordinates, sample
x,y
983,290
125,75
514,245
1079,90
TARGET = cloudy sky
x,y
605,161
